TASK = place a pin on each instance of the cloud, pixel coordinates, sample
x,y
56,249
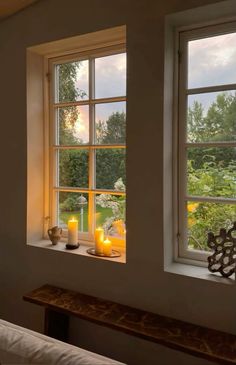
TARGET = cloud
x,y
82,83
103,111
212,61
110,76
110,81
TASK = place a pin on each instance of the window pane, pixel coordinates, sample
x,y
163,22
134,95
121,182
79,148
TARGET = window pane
x,y
110,169
72,81
211,61
110,123
73,205
73,125
73,168
110,214
205,217
212,172
211,117
110,76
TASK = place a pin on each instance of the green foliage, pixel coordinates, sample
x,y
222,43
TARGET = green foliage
x,y
70,204
113,131
73,168
219,123
73,164
67,76
110,166
110,163
114,224
211,170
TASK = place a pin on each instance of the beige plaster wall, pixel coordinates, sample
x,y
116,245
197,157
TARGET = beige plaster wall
x,y
141,282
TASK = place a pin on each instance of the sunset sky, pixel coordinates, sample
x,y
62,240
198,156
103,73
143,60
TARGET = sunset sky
x,y
110,81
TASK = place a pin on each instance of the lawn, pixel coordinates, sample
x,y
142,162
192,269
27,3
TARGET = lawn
x,y
101,215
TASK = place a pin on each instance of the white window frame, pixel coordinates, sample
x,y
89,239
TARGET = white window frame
x,y
183,36
53,187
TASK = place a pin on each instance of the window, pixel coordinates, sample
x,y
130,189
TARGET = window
x,y
87,141
206,136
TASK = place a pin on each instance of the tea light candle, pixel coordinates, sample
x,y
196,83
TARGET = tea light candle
x,y
73,231
107,247
99,238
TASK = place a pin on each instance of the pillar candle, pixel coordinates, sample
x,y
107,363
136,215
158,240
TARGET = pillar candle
x,y
73,231
99,238
107,247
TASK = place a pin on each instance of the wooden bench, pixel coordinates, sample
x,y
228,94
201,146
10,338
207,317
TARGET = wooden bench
x,y
202,342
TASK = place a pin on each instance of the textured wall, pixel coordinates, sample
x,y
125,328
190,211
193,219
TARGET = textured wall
x,y
142,281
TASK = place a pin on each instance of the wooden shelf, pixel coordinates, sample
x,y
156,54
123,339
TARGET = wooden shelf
x,y
198,341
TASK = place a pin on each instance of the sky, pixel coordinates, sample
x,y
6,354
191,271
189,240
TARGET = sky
x,y
212,61
110,81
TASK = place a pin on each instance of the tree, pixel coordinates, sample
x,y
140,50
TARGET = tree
x,y
211,170
219,124
73,165
221,118
110,163
196,123
112,131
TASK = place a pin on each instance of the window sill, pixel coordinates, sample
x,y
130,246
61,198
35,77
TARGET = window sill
x,y
81,251
198,273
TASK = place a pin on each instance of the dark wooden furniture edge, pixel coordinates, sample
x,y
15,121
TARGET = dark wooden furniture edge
x,y
216,346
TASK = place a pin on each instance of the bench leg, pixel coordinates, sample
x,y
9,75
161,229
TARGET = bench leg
x,y
56,325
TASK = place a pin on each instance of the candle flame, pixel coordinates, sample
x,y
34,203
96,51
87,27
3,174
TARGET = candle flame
x,y
72,219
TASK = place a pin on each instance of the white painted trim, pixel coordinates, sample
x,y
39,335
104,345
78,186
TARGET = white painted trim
x,y
195,270
99,44
81,43
211,89
81,251
91,191
89,146
185,37
210,15
89,101
210,144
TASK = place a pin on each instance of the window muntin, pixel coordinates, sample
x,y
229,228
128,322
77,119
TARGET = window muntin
x,y
88,142
207,136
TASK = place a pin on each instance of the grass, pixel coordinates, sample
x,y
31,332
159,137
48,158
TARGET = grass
x,y
101,215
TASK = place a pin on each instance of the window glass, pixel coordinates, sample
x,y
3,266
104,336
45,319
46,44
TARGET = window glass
x,y
110,76
72,81
207,156
110,169
212,117
110,214
73,168
73,125
88,146
73,205
211,61
204,217
110,123
211,172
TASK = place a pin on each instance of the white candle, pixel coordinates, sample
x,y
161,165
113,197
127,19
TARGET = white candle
x,y
99,238
107,247
73,231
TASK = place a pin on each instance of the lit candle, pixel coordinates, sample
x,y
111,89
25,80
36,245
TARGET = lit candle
x,y
107,247
73,231
99,238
